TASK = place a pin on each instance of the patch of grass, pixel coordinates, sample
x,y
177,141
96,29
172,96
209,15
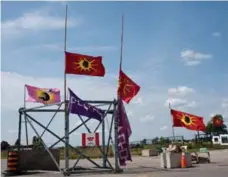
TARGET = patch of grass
x,y
4,154
95,152
91,152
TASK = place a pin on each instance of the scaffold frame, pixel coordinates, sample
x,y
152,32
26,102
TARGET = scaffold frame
x,y
104,149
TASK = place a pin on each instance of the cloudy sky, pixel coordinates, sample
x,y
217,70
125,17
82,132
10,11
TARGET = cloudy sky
x,y
176,51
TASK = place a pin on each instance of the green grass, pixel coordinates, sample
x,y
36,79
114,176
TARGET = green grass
x,y
3,154
95,153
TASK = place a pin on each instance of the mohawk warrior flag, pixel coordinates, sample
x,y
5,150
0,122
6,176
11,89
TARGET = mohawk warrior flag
x,y
127,88
83,65
124,133
80,107
43,95
217,120
189,121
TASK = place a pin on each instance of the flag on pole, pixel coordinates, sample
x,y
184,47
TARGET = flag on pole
x,y
43,95
80,107
127,88
124,133
83,65
217,121
189,121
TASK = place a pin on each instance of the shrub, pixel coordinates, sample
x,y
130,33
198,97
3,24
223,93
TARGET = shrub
x,y
4,145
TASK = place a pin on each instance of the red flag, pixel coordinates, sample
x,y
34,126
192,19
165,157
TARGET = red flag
x,y
217,121
127,88
83,65
189,121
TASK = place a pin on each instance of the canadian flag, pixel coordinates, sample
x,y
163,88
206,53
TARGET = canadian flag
x,y
90,139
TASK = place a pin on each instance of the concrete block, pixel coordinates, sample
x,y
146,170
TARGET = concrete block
x,y
149,152
163,160
39,160
173,160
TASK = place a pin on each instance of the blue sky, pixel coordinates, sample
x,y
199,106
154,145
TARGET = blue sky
x,y
176,51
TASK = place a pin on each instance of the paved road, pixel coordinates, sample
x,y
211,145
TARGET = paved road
x,y
150,167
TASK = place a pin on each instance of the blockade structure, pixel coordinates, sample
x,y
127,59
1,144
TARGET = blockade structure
x,y
81,64
104,149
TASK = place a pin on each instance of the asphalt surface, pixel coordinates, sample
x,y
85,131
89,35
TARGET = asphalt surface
x,y
150,167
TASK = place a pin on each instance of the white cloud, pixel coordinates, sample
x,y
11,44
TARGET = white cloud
x,y
212,115
130,113
178,98
12,131
180,91
138,100
100,130
216,34
36,20
180,103
163,128
87,88
225,115
147,118
224,107
192,104
225,104
192,58
90,88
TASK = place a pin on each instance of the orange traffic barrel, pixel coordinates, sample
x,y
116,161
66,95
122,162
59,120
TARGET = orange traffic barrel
x,y
183,160
13,163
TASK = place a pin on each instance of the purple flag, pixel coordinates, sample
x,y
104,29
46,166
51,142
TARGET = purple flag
x,y
78,106
124,133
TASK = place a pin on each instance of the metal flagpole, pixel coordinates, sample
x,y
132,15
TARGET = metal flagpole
x,y
65,104
118,98
26,125
121,40
172,123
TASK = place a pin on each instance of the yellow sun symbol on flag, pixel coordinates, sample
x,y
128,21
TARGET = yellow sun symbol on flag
x,y
124,85
217,121
85,65
45,96
187,120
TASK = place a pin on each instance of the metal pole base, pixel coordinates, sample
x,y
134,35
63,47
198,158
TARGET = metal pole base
x,y
65,172
118,170
10,173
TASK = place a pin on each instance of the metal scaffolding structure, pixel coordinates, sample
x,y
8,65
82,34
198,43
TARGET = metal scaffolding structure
x,y
104,149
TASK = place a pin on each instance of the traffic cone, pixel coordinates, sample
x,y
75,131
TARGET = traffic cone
x,y
183,160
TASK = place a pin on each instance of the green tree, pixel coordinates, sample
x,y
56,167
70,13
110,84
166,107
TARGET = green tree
x,y
213,130
162,140
155,140
144,142
4,145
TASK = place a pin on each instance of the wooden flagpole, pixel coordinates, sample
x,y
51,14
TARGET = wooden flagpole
x,y
65,102
172,123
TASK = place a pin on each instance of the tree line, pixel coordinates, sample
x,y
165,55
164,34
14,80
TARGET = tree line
x,y
211,130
